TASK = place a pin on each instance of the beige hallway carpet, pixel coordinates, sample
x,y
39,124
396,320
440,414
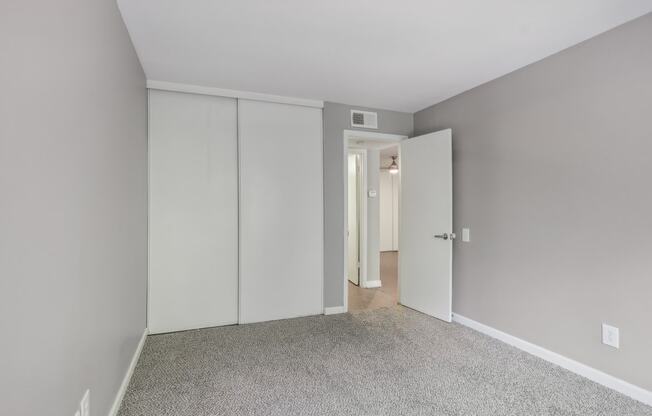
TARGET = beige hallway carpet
x,y
384,296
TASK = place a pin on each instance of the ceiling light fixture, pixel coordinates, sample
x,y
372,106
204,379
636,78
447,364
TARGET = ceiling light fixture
x,y
393,168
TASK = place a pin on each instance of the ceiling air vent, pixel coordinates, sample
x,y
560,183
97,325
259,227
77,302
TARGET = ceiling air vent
x,y
364,119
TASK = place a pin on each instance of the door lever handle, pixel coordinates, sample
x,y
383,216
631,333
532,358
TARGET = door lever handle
x,y
446,236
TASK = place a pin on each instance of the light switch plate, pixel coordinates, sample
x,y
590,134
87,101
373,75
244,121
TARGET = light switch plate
x,y
466,235
610,336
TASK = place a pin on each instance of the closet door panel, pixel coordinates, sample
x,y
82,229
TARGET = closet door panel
x,y
193,211
281,211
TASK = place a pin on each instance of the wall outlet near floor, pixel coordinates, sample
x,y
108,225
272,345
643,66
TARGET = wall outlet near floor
x,y
610,336
466,235
85,404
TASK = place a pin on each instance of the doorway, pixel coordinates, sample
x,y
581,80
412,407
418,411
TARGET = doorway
x,y
371,216
381,287
422,230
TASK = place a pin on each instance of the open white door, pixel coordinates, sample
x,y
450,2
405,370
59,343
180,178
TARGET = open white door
x,y
353,228
426,222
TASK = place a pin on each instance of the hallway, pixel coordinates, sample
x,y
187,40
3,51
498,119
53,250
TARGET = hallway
x,y
384,296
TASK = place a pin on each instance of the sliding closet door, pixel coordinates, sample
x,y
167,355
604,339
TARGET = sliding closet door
x,y
281,211
193,211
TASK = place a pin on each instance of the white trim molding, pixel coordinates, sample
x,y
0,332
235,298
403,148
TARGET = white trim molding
x,y
371,284
621,386
221,92
391,139
333,310
130,371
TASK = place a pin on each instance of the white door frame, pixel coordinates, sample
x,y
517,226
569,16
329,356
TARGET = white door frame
x,y
348,137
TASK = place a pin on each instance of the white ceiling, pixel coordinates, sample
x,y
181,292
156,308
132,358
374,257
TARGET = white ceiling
x,y
386,156
388,152
393,54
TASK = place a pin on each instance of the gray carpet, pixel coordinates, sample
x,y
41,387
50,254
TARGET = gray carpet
x,y
391,361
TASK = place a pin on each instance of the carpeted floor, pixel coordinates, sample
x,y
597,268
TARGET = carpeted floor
x,y
390,361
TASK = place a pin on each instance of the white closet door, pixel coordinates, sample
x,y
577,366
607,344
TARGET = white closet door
x,y
193,211
281,211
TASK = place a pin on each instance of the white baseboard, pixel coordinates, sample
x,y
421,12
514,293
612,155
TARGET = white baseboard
x,y
335,310
371,284
130,371
583,370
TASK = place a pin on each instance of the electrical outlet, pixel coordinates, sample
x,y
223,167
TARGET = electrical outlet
x,y
610,336
466,235
85,404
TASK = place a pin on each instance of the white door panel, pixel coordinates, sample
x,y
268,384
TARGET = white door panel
x,y
353,229
396,183
389,204
386,200
193,211
426,210
281,211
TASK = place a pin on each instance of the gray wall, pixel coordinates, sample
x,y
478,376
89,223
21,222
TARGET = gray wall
x,y
73,205
373,215
552,173
337,118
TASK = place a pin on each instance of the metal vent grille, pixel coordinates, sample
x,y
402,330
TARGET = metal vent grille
x,y
364,119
